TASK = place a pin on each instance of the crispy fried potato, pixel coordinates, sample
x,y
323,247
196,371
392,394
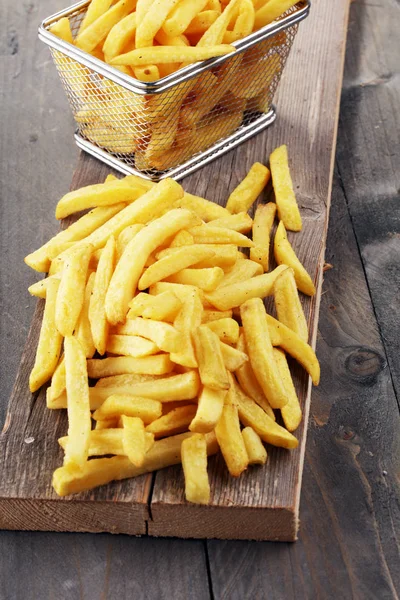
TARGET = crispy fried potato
x,y
39,289
205,209
194,463
164,335
226,329
130,345
254,447
159,364
291,413
170,54
225,255
284,254
206,279
95,33
173,422
230,440
116,405
288,305
215,315
242,270
97,314
210,234
134,440
164,307
286,204
262,225
83,331
233,358
212,369
240,222
209,410
187,321
248,190
270,11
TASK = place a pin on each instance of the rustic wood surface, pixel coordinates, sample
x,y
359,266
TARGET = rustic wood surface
x,y
350,517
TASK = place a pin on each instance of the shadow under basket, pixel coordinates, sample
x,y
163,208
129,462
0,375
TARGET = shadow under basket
x,y
175,125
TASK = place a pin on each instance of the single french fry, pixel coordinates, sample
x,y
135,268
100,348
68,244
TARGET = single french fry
x,y
286,204
284,254
261,356
58,381
133,439
237,293
242,270
183,292
97,314
206,279
169,265
164,335
170,54
194,463
209,410
244,22
248,381
230,440
107,440
226,329
288,305
202,22
120,35
49,344
205,209
293,344
39,260
148,73
208,234
96,32
39,289
271,11
71,291
95,10
111,423
182,15
215,33
240,222
252,415
125,379
100,194
225,256
62,29
126,236
159,364
152,21
116,405
79,422
164,307
291,413
130,345
188,319
209,358
174,422
215,315
183,238
142,8
83,331
101,471
130,266
248,190
254,447
262,225
233,358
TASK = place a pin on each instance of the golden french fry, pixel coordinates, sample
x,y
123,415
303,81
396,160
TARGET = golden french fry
x,y
225,256
233,358
148,73
169,265
133,439
125,379
254,447
93,34
182,15
194,463
130,266
244,22
83,331
226,329
100,194
164,335
240,222
71,291
95,10
297,348
248,190
183,238
58,382
152,21
252,415
248,381
209,358
235,294
101,471
120,35
159,364
271,11
107,440
175,421
130,345
261,356
206,279
62,29
214,315
242,270
132,406
291,413
230,440
215,33
284,254
49,344
253,80
288,305
111,423
188,319
126,236
183,292
202,22
39,289
208,234
39,260
164,307
205,209
209,410
170,54
262,225
286,204
79,422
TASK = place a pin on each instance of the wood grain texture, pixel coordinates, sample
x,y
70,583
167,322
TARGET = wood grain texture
x,y
271,493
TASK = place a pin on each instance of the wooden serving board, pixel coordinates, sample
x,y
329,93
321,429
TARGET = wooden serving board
x,y
263,504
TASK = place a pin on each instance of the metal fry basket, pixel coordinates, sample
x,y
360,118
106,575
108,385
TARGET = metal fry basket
x,y
175,125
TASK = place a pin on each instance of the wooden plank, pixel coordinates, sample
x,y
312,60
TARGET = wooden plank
x,y
263,503
350,518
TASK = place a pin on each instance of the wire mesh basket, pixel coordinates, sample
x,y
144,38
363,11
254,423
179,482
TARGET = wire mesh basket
x,y
172,126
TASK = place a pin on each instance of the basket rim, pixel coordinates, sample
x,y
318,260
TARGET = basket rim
x,y
165,83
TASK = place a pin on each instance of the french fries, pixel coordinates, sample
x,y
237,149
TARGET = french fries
x,y
285,255
286,204
176,366
242,198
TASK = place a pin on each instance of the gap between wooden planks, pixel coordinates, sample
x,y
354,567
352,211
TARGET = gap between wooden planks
x,y
264,503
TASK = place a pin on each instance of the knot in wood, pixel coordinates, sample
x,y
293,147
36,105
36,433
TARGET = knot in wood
x,y
364,364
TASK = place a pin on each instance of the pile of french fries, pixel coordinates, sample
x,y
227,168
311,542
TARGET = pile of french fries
x,y
150,39
149,296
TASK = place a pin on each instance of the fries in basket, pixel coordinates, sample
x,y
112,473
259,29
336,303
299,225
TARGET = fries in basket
x,y
179,367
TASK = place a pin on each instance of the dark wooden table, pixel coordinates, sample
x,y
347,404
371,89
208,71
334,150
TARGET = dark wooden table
x,y
350,501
